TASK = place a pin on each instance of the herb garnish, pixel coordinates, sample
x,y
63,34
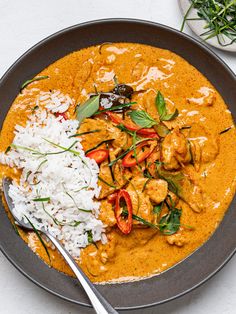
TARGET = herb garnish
x,y
158,208
104,44
90,236
98,145
170,223
84,133
131,133
220,17
88,109
65,149
142,118
105,182
35,152
37,78
226,130
115,108
110,167
161,108
8,149
39,237
35,108
42,199
145,184
81,209
161,130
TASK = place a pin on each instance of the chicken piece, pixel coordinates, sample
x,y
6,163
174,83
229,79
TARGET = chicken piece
x,y
177,239
82,75
157,190
120,138
192,193
140,201
138,70
175,151
92,139
107,215
208,144
194,197
210,99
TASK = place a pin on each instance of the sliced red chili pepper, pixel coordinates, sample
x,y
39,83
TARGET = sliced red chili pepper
x,y
98,155
124,223
116,119
112,198
129,160
61,114
151,135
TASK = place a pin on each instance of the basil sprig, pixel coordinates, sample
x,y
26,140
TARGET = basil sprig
x,y
142,118
161,108
170,223
88,109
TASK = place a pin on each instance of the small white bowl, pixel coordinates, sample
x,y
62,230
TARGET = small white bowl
x,y
197,26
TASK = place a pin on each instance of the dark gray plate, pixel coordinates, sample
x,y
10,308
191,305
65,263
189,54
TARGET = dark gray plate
x,y
204,262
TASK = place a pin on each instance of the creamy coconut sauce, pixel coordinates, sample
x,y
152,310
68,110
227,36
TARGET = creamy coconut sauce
x,y
143,252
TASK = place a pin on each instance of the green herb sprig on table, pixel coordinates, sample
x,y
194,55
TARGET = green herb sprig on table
x,y
220,17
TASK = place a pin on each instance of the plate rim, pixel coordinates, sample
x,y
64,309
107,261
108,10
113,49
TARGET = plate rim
x,y
102,21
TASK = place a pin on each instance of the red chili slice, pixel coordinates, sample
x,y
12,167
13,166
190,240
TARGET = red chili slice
x,y
98,155
124,223
129,160
116,119
61,114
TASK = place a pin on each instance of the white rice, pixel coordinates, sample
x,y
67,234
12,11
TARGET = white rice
x,y
69,180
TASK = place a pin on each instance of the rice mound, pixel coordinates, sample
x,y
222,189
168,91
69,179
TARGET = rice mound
x,y
57,185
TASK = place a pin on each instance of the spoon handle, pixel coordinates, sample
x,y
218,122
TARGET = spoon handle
x,y
100,305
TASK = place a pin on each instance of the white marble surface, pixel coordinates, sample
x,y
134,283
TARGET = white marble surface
x,y
24,23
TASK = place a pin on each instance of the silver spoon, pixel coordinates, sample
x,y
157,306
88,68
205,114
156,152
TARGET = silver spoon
x,y
100,305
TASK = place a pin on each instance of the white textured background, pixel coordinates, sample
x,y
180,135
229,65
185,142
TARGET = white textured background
x,y
22,24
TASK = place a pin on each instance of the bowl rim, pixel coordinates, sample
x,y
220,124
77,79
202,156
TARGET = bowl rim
x,y
97,22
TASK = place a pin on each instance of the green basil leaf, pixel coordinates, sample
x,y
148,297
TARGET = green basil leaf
x,y
142,118
161,105
161,108
90,236
161,130
171,116
87,109
170,223
157,209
